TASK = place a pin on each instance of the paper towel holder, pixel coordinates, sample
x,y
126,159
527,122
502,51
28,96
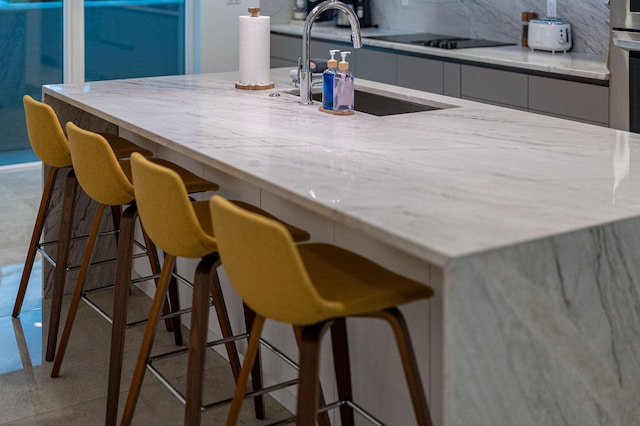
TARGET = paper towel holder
x,y
254,11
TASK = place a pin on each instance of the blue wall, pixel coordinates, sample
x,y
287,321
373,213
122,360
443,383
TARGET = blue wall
x,y
124,39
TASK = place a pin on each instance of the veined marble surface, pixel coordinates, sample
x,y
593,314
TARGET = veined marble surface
x,y
440,184
573,64
486,19
546,333
531,222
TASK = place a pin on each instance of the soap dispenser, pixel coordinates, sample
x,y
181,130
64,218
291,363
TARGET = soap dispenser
x,y
328,81
344,86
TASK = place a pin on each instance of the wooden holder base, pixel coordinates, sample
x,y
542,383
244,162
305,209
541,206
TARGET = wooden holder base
x,y
255,86
329,111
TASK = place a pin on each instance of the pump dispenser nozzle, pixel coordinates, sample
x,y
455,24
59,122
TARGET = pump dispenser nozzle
x,y
344,65
333,63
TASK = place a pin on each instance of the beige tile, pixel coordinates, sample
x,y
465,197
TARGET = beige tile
x,y
29,396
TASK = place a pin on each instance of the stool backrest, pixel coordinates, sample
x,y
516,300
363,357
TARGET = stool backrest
x,y
45,133
166,212
265,267
99,172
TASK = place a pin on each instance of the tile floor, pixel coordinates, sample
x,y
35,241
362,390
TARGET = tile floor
x,y
28,396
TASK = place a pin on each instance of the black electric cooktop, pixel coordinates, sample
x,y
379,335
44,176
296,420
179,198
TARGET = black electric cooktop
x,y
441,41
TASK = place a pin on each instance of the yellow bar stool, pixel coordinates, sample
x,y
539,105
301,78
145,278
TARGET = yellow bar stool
x,y
182,228
50,144
108,182
310,285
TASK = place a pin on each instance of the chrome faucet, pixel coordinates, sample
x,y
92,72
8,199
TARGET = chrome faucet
x,y
304,66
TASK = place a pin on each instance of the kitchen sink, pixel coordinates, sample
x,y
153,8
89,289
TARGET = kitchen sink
x,y
381,105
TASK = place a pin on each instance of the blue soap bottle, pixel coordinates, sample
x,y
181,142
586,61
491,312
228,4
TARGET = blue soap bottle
x,y
328,81
343,96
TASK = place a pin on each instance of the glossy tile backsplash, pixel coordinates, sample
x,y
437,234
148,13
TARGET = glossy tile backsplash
x,y
488,19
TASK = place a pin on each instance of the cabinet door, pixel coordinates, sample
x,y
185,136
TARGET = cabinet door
x,y
494,86
285,48
375,65
420,73
571,99
451,77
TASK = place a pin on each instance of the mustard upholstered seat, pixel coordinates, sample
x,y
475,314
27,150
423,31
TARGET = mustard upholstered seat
x,y
309,285
108,181
184,228
50,144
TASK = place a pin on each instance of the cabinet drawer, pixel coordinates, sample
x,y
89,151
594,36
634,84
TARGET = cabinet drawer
x,y
494,86
285,47
375,65
420,73
571,99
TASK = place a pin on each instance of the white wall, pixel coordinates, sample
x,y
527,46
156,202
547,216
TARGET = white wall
x,y
219,33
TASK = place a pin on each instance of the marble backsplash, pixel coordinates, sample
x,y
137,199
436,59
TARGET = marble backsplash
x,y
488,19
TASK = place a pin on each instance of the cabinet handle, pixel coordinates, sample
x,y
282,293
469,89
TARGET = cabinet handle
x,y
626,40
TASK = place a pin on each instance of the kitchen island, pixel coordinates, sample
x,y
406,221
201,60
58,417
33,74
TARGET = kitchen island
x,y
526,226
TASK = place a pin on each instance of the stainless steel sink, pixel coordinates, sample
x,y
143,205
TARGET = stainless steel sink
x,y
381,105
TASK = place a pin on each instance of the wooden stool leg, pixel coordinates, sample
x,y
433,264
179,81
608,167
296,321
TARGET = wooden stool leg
x,y
223,320
308,385
116,214
119,316
198,337
409,363
256,371
62,259
35,238
247,366
323,418
77,292
340,348
171,304
147,340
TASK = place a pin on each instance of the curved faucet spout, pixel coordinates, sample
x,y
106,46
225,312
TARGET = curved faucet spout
x,y
304,66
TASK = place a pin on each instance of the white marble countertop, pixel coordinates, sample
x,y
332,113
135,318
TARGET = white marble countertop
x,y
440,185
569,64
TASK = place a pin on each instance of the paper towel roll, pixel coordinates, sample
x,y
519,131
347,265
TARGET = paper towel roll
x,y
254,52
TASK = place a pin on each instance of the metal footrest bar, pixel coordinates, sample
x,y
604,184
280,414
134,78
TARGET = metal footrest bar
x,y
178,394
96,308
145,278
85,298
252,394
52,261
175,391
279,354
79,237
355,407
184,350
182,279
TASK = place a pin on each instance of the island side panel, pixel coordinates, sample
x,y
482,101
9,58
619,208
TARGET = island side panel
x,y
546,332
98,275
